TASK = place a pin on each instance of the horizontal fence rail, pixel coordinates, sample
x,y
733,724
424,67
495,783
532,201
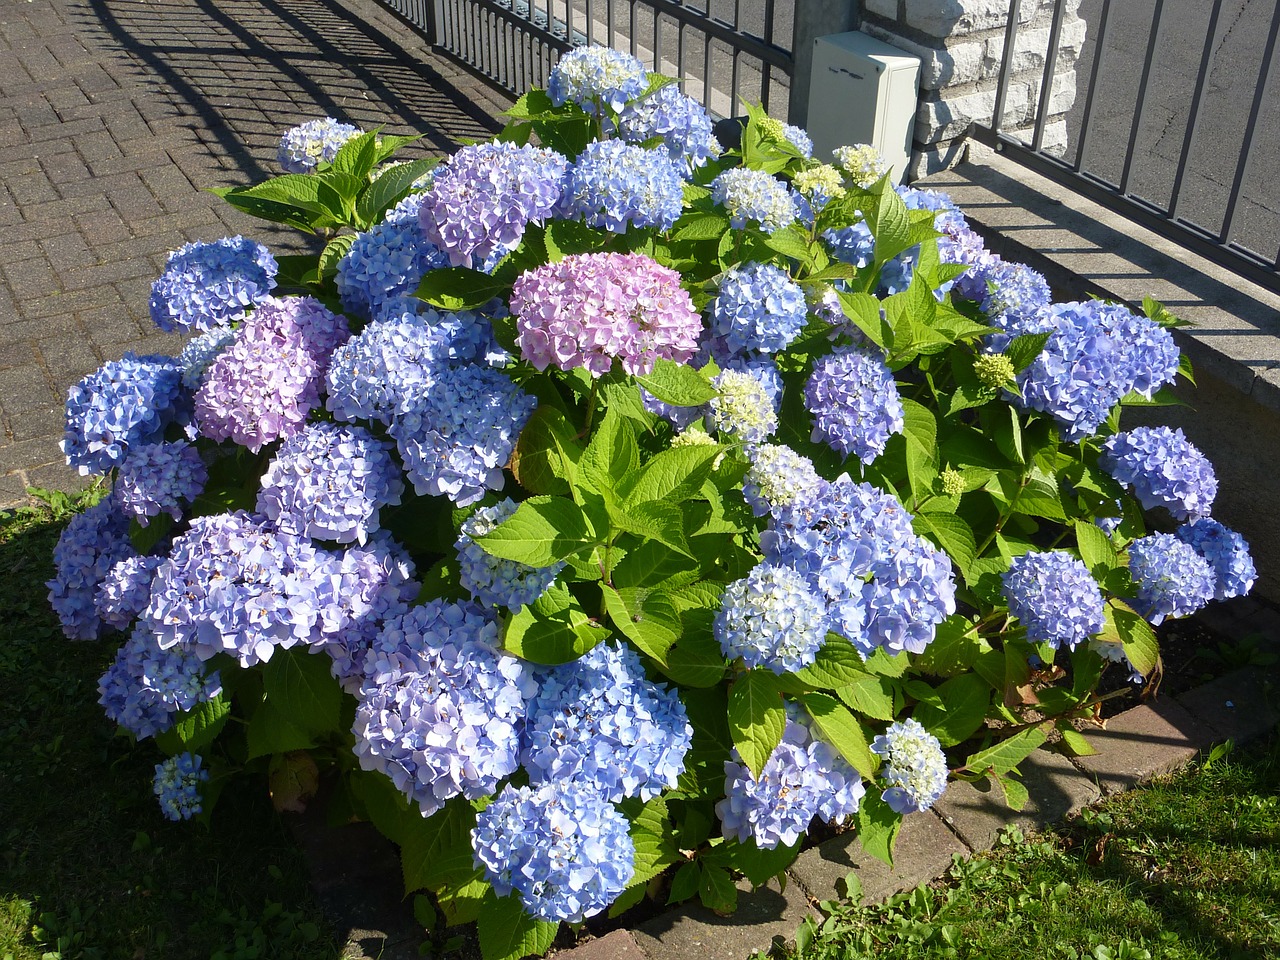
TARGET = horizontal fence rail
x,y
1123,160
725,51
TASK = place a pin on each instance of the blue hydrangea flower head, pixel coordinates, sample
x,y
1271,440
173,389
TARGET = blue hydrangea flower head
x,y
387,261
125,590
304,146
565,851
911,592
771,618
126,402
1012,295
855,403
201,351
160,478
1171,578
1149,357
491,580
742,408
145,686
600,723
1227,553
755,197
778,477
915,767
1055,597
758,308
1163,469
854,244
456,438
596,75
817,186
210,285
681,121
614,184
90,546
329,482
177,786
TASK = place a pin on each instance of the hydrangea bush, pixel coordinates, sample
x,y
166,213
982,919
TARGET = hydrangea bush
x,y
602,507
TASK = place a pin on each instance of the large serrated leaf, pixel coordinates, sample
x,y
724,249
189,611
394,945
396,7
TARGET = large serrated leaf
x,y
390,187
646,618
546,454
965,700
552,630
756,717
878,826
458,288
542,532
677,384
298,684
1007,754
1096,548
837,663
437,849
838,727
654,841
201,725
672,475
507,932
870,696
701,226
952,534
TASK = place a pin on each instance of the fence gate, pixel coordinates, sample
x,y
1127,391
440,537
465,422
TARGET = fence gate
x,y
724,53
1174,123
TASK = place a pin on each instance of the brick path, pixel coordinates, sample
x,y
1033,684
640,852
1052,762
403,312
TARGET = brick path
x,y
115,115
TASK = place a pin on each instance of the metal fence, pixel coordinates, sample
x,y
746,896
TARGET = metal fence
x,y
724,51
1174,137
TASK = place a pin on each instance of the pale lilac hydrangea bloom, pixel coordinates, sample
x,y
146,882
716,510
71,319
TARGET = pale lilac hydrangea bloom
x,y
205,286
1171,578
681,121
145,686
915,767
90,546
201,351
1163,469
1055,597
304,146
160,478
772,618
125,590
855,403
595,75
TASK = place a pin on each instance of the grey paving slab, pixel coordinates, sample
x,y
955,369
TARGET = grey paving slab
x,y
1141,743
617,945
1239,706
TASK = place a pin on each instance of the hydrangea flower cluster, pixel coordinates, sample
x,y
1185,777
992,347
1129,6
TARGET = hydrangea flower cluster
x,y
818,186
786,133
159,478
1163,469
1227,554
485,195
201,351
1055,597
177,786
915,766
209,285
145,686
778,477
90,546
387,261
1171,578
855,403
1012,296
861,162
125,590
456,438
596,76
440,707
329,482
384,369
754,197
565,851
614,184
772,618
854,244
491,580
758,308
123,403
681,121
587,309
743,407
599,722
304,146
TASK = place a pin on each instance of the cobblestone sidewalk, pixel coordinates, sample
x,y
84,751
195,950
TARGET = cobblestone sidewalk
x,y
117,115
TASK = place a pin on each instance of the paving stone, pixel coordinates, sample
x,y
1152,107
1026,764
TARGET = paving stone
x,y
1141,743
616,945
695,931
924,850
30,454
13,490
978,812
25,388
1239,706
57,475
47,422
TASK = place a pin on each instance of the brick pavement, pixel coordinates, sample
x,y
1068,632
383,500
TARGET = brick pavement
x,y
116,115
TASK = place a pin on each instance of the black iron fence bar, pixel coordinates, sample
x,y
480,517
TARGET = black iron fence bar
x,y
1193,121
760,48
1093,84
1046,82
1246,151
1002,85
1152,41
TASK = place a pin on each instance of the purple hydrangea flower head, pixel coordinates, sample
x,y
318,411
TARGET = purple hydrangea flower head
x,y
613,184
145,686
387,261
742,408
855,403
90,546
1227,553
1012,295
587,309
910,592
456,438
177,786
1055,597
595,75
778,478
772,618
210,285
306,320
200,352
758,308
234,585
126,402
440,706
915,767
304,146
159,478
485,195
125,590
565,851
1164,469
1171,578
861,162
600,723
491,580
329,482
753,196
681,121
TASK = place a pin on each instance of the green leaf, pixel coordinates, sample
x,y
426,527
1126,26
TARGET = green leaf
x,y
460,902
386,807
542,531
756,717
271,730
656,520
696,659
508,933
1022,351
1039,496
701,226
1008,435
1096,549
921,431
952,534
357,155
299,217
892,226
294,189
653,563
955,648
1140,644
883,665
870,696
685,883
333,252
965,700
458,288
717,890
791,242
553,629
677,384
531,106
201,725
1015,794
1007,754
655,844
612,455
300,686
761,866
437,849
390,187
836,665
145,538
864,310
673,475
839,728
878,826
1074,740
546,454
646,618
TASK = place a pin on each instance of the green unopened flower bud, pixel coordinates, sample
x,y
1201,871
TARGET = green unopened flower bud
x,y
823,180
772,128
994,370
952,482
696,438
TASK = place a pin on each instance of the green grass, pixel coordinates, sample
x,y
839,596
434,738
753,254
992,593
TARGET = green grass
x,y
1188,867
88,867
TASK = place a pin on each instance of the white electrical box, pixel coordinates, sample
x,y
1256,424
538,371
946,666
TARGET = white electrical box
x,y
862,90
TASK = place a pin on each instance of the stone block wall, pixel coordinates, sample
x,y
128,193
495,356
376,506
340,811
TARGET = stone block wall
x,y
961,47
